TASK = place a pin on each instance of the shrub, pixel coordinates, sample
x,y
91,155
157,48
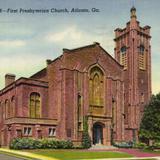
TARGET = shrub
x,y
156,145
86,140
124,144
30,143
37,144
22,143
141,145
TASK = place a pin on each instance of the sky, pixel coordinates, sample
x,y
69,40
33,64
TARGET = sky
x,y
28,39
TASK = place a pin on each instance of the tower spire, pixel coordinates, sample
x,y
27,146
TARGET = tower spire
x,y
133,12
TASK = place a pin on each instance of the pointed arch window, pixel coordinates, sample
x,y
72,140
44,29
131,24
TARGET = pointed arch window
x,y
142,98
123,57
35,108
79,113
12,108
142,57
7,109
96,86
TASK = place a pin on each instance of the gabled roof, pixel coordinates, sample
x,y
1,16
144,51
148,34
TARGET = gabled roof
x,y
24,81
43,71
90,46
80,48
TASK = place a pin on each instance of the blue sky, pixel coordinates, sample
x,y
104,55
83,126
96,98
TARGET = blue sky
x,y
27,40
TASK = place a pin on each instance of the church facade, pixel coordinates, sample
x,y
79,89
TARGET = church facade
x,y
85,82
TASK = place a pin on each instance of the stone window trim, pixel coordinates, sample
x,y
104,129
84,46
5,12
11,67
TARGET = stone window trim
x,y
96,85
35,105
51,131
27,131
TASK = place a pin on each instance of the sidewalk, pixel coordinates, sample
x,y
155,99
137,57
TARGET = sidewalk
x,y
138,153
27,154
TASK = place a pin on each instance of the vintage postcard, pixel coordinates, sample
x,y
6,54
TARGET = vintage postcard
x,y
79,75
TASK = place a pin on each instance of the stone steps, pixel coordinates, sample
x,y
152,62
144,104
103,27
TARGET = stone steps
x,y
101,147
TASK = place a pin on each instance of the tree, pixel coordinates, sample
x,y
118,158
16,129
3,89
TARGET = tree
x,y
150,124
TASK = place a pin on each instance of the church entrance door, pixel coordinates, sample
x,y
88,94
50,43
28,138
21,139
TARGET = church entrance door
x,y
97,134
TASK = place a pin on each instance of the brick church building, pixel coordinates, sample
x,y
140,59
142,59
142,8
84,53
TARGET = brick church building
x,y
83,82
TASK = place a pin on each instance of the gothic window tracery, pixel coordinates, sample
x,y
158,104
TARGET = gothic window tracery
x,y
35,107
96,86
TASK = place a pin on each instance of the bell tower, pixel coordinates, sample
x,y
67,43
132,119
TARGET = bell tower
x,y
133,52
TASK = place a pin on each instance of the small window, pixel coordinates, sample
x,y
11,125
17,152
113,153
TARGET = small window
x,y
69,132
141,49
123,57
142,57
123,49
19,133
7,108
80,126
52,132
142,97
27,131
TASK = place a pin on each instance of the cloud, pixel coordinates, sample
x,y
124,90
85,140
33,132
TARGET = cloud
x,y
72,33
73,36
12,43
25,65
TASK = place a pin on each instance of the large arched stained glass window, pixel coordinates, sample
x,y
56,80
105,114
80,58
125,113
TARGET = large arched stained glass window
x,y
123,57
96,87
35,106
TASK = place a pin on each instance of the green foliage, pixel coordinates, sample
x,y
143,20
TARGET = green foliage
x,y
157,145
86,140
30,143
150,125
124,144
140,145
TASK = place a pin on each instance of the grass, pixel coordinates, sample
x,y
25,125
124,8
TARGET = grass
x,y
151,151
74,155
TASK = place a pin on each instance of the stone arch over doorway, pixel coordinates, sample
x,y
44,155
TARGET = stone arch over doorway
x,y
98,133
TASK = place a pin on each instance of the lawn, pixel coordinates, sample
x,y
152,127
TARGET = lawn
x,y
74,155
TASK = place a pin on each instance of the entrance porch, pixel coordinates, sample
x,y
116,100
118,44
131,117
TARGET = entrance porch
x,y
100,131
